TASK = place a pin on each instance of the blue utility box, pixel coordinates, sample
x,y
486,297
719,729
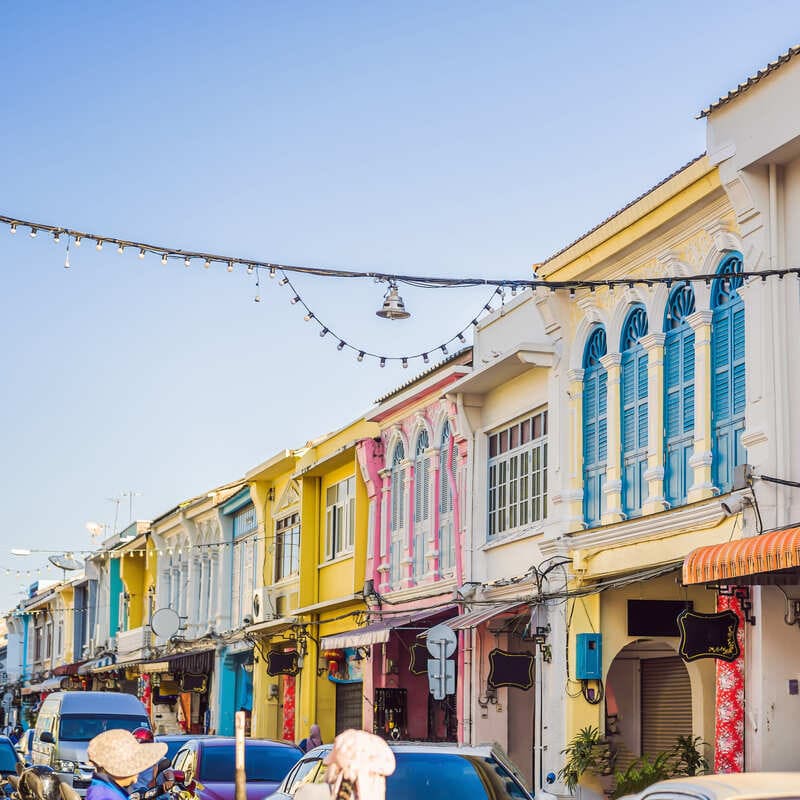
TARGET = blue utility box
x,y
589,661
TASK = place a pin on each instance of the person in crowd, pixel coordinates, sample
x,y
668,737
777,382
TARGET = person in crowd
x,y
314,739
147,778
119,759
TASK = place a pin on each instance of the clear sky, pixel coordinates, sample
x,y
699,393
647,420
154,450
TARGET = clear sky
x,y
452,138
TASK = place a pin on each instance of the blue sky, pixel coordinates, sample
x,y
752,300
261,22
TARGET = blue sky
x,y
452,138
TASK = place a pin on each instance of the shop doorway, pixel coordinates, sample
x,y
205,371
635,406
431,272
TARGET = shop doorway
x,y
349,706
648,701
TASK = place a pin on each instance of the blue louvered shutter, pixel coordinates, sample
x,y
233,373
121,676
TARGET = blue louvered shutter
x,y
634,412
595,428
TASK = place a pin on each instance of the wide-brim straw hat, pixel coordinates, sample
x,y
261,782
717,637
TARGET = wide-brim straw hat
x,y
120,754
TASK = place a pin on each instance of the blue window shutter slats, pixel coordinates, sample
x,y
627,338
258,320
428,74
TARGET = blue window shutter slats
x,y
628,430
688,408
672,413
602,392
595,422
642,426
687,355
641,368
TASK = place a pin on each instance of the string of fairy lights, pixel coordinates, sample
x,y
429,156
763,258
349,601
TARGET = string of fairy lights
x,y
75,238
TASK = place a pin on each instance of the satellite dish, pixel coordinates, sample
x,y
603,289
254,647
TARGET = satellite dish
x,y
65,561
165,623
94,528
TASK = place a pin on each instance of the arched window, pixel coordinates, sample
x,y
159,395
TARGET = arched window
x,y
422,511
633,391
727,367
447,469
678,394
398,511
595,427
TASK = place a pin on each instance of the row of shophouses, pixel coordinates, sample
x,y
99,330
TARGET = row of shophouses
x,y
553,495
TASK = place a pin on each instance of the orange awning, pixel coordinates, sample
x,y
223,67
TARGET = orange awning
x,y
769,553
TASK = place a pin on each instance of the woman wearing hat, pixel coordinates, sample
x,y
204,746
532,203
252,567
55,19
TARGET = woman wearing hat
x,y
119,758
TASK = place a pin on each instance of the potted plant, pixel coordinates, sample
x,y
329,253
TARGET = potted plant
x,y
587,752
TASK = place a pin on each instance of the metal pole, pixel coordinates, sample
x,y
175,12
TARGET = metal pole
x,y
241,777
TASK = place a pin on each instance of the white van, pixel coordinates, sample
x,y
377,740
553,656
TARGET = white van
x,y
68,721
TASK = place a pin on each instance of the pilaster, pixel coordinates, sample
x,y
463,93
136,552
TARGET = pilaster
x,y
613,488
572,495
653,344
700,462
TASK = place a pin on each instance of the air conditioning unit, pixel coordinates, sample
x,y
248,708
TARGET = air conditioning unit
x,y
262,605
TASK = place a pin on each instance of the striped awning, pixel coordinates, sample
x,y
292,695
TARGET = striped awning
x,y
774,555
481,614
98,663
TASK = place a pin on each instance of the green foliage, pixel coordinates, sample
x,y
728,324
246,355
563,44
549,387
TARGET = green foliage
x,y
686,758
586,752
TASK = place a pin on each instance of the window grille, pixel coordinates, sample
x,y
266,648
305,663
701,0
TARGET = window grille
x,y
518,475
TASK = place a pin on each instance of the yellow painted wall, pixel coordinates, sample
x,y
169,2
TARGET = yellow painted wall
x,y
67,613
132,572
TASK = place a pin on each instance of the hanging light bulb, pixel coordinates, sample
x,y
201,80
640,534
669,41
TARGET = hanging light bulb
x,y
611,288
308,317
295,300
405,363
250,269
572,293
187,262
230,266
13,228
99,245
443,348
34,232
121,249
461,338
425,358
77,241
360,356
56,237
475,323
272,272
323,333
163,258
487,307
341,344
393,306
257,298
283,281
141,253
383,362
207,264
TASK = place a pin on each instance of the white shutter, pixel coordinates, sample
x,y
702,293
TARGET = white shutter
x,y
236,586
426,488
351,513
248,582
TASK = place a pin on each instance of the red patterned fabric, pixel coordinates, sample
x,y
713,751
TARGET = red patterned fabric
x,y
288,708
729,726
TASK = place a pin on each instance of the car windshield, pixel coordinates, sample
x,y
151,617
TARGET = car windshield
x,y
84,729
261,763
443,776
8,758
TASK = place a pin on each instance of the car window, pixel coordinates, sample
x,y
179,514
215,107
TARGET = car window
x,y
306,772
85,728
443,776
261,763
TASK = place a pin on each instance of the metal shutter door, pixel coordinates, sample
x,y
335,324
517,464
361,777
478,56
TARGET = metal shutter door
x,y
666,704
348,706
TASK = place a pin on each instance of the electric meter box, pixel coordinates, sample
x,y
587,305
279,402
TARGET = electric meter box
x,y
589,661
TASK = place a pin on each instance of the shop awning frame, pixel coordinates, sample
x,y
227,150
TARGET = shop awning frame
x,y
482,614
377,632
774,556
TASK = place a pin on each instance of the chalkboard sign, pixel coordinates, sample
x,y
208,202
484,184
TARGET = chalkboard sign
x,y
708,635
419,659
194,683
280,663
510,669
655,617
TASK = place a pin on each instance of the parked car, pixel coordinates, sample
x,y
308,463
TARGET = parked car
x,y
9,757
427,771
209,763
752,785
68,721
175,741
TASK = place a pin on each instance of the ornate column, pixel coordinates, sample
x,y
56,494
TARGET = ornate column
x,y
571,494
383,534
406,571
613,490
653,344
700,462
433,550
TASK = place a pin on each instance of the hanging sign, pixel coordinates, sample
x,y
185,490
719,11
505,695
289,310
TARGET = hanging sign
x,y
708,635
419,659
510,669
194,683
280,663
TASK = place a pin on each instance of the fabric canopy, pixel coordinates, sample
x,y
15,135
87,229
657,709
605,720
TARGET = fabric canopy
x,y
481,614
377,632
53,684
733,561
98,663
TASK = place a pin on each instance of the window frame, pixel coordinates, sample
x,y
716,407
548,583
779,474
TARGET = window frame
x,y
445,500
340,518
397,511
505,501
422,501
287,529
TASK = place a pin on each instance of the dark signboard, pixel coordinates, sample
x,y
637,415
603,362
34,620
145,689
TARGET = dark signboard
x,y
280,663
419,659
655,617
510,669
708,635
194,683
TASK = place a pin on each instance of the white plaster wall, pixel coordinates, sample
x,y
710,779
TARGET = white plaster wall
x,y
517,321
